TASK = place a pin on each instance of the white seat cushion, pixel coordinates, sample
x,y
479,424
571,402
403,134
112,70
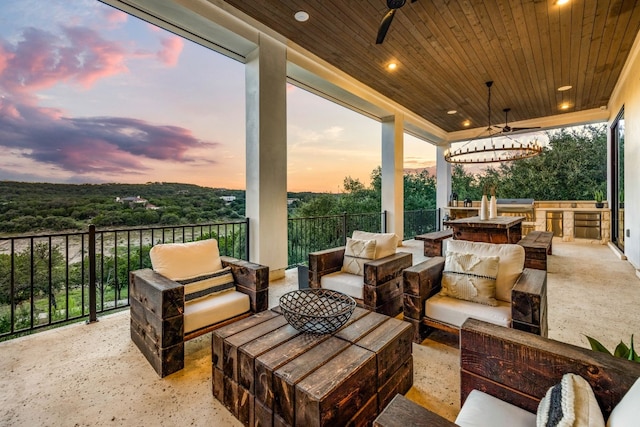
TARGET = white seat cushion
x,y
510,266
350,284
455,311
214,308
483,410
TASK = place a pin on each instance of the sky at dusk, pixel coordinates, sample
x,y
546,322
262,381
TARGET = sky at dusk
x,y
89,94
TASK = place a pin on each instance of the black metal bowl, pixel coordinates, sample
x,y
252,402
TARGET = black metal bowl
x,y
316,311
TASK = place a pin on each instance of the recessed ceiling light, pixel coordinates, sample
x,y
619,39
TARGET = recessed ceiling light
x,y
561,2
466,123
564,106
563,88
392,66
452,111
301,16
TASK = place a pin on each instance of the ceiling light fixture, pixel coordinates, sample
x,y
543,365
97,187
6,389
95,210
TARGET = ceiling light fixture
x,y
561,2
466,123
301,16
451,112
564,106
564,88
492,146
392,66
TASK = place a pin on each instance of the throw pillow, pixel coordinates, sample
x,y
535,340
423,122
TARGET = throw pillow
x,y
470,277
627,411
570,403
386,243
356,253
199,287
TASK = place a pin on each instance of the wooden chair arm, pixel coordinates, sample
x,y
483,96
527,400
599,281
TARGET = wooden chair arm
x,y
161,296
384,269
324,262
529,302
251,279
519,367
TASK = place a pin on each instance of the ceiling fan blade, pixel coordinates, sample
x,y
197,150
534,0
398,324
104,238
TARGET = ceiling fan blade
x,y
521,129
384,25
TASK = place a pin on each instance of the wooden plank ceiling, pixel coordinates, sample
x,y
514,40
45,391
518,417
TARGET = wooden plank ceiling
x,y
447,49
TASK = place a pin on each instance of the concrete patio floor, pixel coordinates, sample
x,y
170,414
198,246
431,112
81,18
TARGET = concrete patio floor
x,y
93,375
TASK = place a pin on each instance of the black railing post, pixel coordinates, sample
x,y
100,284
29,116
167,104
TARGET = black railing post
x,y
93,317
344,228
384,221
438,226
246,240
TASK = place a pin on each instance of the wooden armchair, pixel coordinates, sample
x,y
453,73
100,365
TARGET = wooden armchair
x,y
158,310
525,307
518,368
379,289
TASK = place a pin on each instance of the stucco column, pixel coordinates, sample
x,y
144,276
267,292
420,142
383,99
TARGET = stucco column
x,y
443,180
266,107
392,173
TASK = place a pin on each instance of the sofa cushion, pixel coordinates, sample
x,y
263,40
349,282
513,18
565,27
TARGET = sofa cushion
x,y
470,277
455,311
510,266
202,286
570,403
180,261
483,410
346,283
627,411
213,309
356,253
386,243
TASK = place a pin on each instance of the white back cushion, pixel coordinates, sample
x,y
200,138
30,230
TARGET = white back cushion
x,y
386,243
180,261
510,266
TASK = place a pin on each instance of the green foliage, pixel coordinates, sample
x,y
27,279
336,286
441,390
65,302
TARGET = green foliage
x,y
621,349
598,196
570,168
30,207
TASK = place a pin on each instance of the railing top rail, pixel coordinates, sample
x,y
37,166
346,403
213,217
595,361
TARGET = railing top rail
x,y
119,230
291,218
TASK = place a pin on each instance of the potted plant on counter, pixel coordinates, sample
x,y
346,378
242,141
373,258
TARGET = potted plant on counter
x,y
598,195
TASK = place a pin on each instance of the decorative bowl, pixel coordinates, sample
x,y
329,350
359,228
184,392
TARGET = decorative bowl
x,y
316,311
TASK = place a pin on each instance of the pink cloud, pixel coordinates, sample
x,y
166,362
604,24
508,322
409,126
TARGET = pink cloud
x,y
115,16
41,59
171,49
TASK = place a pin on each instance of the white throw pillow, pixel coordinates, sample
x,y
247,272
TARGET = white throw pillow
x,y
627,411
511,262
180,261
570,403
386,243
356,253
470,277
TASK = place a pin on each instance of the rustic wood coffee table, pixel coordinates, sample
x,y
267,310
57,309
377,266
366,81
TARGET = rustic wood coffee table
x,y
267,373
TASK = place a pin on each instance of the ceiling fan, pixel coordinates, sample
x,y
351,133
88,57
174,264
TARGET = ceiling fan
x,y
506,128
393,6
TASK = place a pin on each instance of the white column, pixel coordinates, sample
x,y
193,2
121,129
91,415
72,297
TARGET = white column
x,y
266,202
443,180
392,173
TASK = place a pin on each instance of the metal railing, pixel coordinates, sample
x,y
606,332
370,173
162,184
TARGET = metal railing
x,y
56,278
51,279
420,222
311,234
323,232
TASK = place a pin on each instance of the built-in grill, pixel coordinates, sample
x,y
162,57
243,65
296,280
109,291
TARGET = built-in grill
x,y
519,207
